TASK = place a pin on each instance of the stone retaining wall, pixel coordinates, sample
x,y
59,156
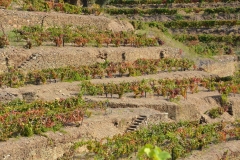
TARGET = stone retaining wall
x,y
12,19
221,65
49,57
53,57
220,30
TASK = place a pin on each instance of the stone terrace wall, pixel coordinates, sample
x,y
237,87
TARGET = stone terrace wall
x,y
53,57
12,19
74,56
184,5
222,65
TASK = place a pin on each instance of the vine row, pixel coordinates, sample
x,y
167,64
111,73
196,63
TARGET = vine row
x,y
207,38
16,78
200,24
170,88
18,118
165,1
82,36
166,11
179,139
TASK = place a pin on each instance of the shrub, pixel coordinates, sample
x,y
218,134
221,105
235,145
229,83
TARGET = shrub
x,y
3,41
215,112
35,5
5,3
72,9
178,17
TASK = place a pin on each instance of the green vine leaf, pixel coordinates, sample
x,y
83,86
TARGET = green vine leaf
x,y
153,153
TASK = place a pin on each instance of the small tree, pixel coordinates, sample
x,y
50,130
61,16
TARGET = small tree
x,y
5,3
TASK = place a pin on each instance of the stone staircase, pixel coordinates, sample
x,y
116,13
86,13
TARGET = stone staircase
x,y
28,61
136,123
144,120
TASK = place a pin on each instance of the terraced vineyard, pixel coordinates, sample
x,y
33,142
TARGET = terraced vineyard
x,y
208,28
118,78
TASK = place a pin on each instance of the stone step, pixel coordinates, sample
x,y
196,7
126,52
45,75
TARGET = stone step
x,y
132,126
135,124
131,129
141,118
138,121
